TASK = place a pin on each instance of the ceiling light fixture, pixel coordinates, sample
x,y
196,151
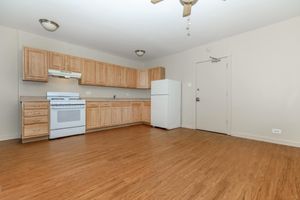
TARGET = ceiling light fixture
x,y
139,52
49,25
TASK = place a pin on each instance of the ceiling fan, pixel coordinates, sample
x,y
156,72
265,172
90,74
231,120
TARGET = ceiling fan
x,y
187,5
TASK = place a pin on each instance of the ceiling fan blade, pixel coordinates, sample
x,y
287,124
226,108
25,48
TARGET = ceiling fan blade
x,y
187,9
155,1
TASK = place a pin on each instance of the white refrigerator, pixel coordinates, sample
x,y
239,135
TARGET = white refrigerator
x,y
166,104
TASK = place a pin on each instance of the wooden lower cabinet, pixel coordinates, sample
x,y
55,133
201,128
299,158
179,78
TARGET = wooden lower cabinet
x,y
109,114
105,115
146,114
99,115
35,121
92,115
137,111
116,115
126,115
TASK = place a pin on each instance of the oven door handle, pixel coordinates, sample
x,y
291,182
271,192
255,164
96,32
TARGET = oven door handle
x,y
67,107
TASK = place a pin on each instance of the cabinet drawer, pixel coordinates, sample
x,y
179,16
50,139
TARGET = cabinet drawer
x,y
35,120
137,103
36,105
105,104
35,113
147,103
35,130
92,104
121,104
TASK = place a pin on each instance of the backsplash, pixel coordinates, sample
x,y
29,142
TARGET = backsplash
x,y
71,85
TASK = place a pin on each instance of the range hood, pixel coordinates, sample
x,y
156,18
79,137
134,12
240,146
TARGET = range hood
x,y
63,74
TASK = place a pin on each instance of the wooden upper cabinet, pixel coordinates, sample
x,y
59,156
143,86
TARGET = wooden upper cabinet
x,y
101,73
143,79
74,64
109,74
89,72
131,78
157,73
35,65
64,62
57,61
123,82
37,62
117,76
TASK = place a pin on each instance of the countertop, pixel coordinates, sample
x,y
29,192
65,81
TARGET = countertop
x,y
41,98
117,99
32,98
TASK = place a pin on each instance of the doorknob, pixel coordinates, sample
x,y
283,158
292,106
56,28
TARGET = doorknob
x,y
197,99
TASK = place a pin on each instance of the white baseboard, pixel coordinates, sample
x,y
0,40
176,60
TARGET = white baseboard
x,y
266,139
188,127
9,137
260,138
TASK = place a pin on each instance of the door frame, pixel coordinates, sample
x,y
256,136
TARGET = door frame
x,y
229,91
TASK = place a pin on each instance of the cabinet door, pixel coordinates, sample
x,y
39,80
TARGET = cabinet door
x,y
74,64
100,73
117,76
109,74
92,115
89,72
116,115
131,76
126,113
136,111
57,61
157,73
123,77
143,79
105,115
35,66
146,114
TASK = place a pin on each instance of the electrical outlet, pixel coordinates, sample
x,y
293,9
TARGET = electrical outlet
x,y
276,131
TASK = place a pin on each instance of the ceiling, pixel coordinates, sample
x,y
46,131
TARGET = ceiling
x,y
121,26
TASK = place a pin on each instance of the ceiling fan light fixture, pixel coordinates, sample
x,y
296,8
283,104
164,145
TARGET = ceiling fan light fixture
x,y
49,25
140,52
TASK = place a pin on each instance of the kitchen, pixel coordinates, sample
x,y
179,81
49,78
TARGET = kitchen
x,y
154,99
99,113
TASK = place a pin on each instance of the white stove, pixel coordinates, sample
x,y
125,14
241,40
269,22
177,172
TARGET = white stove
x,y
67,114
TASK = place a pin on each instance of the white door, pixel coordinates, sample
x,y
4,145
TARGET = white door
x,y
212,103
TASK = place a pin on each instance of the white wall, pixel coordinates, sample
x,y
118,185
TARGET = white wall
x,y
12,86
265,80
8,84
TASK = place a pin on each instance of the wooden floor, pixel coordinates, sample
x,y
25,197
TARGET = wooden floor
x,y
141,162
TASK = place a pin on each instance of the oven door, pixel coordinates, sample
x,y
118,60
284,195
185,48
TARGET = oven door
x,y
67,116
